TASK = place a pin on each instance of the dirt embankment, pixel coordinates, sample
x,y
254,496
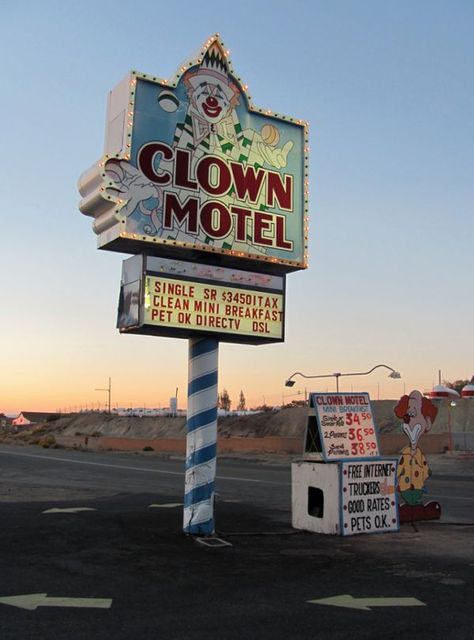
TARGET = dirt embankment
x,y
268,432
286,423
276,431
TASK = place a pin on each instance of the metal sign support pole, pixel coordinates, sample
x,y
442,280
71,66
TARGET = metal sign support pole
x,y
201,437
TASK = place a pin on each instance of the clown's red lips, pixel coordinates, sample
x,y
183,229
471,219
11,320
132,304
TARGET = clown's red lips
x,y
211,108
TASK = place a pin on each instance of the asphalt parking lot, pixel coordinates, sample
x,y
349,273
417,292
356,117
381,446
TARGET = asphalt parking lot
x,y
80,560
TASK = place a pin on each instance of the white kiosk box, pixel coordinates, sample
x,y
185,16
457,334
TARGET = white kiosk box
x,y
342,485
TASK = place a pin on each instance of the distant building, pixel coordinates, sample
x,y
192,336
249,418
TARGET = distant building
x,y
31,417
5,421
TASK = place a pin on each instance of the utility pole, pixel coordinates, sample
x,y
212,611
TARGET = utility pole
x,y
109,391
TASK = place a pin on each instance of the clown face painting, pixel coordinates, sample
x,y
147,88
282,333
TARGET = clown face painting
x,y
210,101
212,95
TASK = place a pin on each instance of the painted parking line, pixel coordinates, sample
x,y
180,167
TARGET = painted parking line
x,y
92,464
141,469
165,505
69,510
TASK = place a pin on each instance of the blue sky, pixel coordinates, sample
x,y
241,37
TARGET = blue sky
x,y
387,88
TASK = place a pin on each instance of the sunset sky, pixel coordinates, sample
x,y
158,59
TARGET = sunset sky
x,y
387,89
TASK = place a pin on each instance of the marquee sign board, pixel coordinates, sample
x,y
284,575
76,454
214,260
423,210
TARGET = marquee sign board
x,y
165,297
341,427
192,169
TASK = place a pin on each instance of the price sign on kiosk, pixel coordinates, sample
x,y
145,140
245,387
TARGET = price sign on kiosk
x,y
346,426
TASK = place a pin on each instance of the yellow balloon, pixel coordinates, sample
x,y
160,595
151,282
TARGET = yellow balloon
x,y
270,135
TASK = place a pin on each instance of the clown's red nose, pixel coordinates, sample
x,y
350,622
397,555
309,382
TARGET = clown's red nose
x,y
211,101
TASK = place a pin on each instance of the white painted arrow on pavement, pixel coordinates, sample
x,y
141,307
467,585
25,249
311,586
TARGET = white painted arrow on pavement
x,y
69,510
365,604
34,600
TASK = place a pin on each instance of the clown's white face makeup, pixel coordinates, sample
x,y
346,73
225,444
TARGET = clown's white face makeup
x,y
413,431
417,423
211,102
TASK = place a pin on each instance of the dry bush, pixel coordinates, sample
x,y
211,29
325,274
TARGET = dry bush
x,y
47,442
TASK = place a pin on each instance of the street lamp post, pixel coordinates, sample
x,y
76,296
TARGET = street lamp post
x,y
291,395
109,391
393,374
443,393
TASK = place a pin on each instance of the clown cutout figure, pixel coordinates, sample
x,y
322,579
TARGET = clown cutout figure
x,y
418,414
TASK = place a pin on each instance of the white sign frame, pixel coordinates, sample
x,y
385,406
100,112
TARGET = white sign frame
x,y
345,435
366,504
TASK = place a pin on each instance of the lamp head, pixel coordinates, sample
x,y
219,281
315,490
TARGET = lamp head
x,y
394,374
289,383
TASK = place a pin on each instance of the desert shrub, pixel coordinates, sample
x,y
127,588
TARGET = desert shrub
x,y
47,442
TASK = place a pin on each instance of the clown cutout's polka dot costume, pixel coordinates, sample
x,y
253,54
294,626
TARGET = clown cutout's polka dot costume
x,y
413,471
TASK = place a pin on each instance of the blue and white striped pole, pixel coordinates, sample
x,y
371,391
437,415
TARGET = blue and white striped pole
x,y
201,437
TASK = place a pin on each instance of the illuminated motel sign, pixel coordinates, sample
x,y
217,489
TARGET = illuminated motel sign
x,y
194,174
209,196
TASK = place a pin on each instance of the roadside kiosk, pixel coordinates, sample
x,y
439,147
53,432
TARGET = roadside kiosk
x,y
343,485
